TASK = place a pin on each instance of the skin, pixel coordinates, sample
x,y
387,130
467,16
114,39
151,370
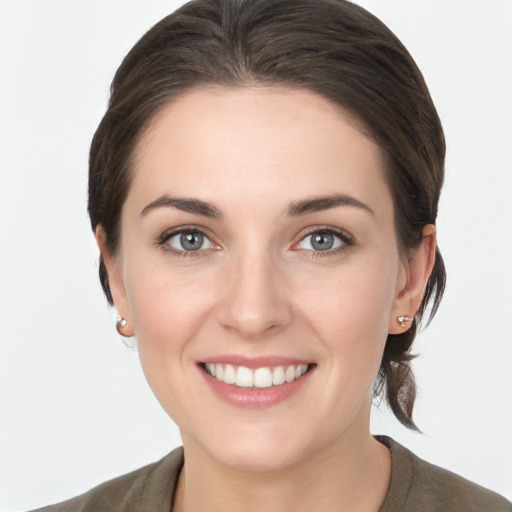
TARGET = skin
x,y
258,287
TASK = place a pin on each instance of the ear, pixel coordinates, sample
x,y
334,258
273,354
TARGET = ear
x,y
116,283
413,280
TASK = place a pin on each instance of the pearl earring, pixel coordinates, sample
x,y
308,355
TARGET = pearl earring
x,y
403,319
121,322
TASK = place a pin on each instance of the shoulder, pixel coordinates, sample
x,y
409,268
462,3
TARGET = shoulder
x,y
418,485
148,488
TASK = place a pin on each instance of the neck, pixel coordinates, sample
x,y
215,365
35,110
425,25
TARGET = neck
x,y
352,473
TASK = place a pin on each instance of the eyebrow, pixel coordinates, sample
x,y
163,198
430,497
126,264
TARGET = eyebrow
x,y
185,204
319,203
296,208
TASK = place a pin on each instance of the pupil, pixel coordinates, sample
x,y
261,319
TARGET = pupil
x,y
322,241
192,241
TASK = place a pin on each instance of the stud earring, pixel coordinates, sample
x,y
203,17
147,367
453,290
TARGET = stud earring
x,y
402,319
121,322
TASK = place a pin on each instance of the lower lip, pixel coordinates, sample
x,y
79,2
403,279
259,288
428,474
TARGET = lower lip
x,y
255,398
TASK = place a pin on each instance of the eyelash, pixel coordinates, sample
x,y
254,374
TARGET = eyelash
x,y
165,237
346,241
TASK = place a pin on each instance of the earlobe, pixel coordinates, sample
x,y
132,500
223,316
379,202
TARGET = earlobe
x,y
417,272
115,281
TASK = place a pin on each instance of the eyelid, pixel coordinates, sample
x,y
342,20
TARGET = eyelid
x,y
164,238
346,239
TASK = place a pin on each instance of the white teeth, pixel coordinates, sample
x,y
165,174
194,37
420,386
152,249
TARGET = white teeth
x,y
264,377
290,374
229,375
211,368
278,376
300,370
244,377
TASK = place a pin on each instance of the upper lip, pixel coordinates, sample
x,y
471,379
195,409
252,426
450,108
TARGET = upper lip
x,y
255,362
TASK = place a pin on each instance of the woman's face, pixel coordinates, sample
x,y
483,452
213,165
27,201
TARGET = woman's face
x,y
258,236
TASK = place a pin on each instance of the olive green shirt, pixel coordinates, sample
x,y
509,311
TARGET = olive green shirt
x,y
415,486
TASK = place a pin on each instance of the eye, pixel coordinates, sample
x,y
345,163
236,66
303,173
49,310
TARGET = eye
x,y
189,241
323,240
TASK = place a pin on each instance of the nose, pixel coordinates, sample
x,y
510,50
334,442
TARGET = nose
x,y
254,301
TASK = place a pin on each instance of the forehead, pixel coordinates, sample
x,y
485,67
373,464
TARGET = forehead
x,y
252,143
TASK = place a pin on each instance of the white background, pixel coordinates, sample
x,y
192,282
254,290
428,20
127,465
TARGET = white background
x,y
74,406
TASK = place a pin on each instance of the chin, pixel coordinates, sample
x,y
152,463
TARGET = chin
x,y
256,447
259,457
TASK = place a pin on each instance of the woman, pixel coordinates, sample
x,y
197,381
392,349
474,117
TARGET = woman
x,y
263,190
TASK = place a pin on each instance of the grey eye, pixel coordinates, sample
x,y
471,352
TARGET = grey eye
x,y
189,241
320,241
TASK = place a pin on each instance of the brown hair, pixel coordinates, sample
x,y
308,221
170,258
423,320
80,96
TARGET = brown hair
x,y
332,47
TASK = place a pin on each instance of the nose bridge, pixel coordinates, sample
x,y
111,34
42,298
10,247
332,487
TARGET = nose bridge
x,y
254,300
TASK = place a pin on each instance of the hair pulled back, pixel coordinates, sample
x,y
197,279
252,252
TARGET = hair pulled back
x,y
332,47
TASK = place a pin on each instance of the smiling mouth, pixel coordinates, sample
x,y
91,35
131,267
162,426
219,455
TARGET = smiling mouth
x,y
264,377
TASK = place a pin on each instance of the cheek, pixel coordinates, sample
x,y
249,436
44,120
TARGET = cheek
x,y
350,313
167,304
169,307
354,292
